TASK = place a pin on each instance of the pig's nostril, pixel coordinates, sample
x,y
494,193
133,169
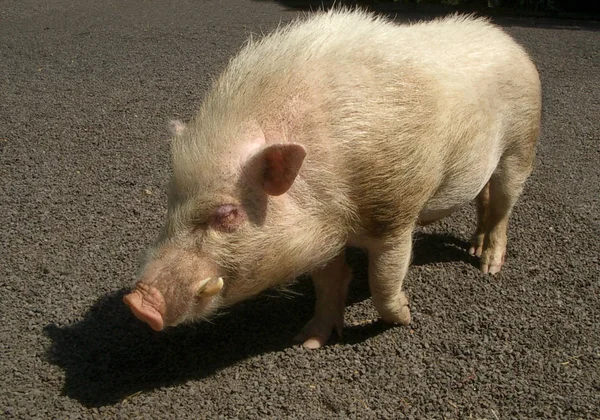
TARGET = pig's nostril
x,y
148,305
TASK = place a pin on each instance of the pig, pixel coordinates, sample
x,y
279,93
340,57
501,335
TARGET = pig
x,y
340,129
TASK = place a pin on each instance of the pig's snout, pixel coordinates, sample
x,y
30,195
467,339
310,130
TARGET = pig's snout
x,y
148,305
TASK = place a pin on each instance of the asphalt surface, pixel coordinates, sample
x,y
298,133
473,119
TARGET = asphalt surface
x,y
86,89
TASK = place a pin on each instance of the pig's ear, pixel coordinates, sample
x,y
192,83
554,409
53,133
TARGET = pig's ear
x,y
176,127
279,165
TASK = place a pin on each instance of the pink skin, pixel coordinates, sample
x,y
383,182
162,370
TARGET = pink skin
x,y
148,305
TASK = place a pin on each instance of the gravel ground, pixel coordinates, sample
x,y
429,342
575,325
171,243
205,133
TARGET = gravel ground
x,y
85,93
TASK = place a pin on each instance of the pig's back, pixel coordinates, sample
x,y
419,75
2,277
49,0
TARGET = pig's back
x,y
364,73
368,77
388,109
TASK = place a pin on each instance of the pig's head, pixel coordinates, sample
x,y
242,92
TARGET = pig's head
x,y
225,205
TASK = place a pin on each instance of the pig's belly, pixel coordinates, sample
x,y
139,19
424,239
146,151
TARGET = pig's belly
x,y
442,205
456,192
428,216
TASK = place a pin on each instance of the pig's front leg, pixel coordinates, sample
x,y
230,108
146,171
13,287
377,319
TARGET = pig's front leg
x,y
388,263
331,287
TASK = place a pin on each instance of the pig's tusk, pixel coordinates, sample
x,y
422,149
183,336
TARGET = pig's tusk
x,y
202,285
209,287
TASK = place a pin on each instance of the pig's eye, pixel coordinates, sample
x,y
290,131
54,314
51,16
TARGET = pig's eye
x,y
228,217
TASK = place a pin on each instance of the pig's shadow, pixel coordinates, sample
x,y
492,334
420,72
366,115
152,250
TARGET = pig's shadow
x,y
109,355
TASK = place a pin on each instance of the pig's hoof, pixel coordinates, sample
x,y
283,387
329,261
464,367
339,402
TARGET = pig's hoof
x,y
394,311
400,315
492,262
476,248
317,332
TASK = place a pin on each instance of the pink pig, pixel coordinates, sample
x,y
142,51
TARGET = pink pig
x,y
341,129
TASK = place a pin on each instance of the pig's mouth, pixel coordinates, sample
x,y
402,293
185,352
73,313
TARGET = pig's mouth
x,y
148,305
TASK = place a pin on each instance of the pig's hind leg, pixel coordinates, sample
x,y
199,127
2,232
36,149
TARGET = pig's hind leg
x,y
478,237
331,287
494,205
388,264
